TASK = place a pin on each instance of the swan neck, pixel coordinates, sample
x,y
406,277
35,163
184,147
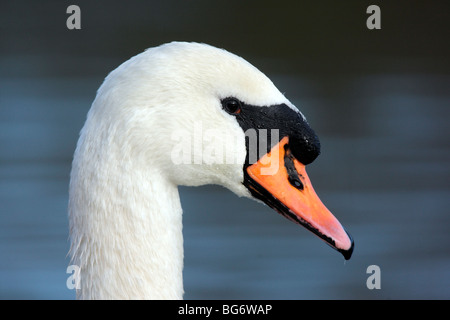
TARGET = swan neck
x,y
126,229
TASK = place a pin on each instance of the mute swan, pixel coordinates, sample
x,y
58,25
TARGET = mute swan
x,y
125,215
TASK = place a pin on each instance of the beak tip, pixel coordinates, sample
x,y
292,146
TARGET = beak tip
x,y
347,253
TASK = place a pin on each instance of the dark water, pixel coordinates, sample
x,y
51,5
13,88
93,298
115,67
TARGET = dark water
x,y
379,101
384,172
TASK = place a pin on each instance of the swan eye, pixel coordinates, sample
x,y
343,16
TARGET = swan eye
x,y
232,105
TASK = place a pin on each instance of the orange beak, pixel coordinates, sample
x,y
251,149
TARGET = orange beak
x,y
280,180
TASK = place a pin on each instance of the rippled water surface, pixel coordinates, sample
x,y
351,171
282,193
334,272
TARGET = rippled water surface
x,y
379,101
383,172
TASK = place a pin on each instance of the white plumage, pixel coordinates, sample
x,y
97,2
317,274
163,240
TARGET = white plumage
x,y
124,209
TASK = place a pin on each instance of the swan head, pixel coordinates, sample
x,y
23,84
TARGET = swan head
x,y
202,115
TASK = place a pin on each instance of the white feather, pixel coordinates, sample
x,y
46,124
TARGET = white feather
x,y
124,209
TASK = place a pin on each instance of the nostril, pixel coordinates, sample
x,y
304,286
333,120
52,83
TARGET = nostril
x,y
294,177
